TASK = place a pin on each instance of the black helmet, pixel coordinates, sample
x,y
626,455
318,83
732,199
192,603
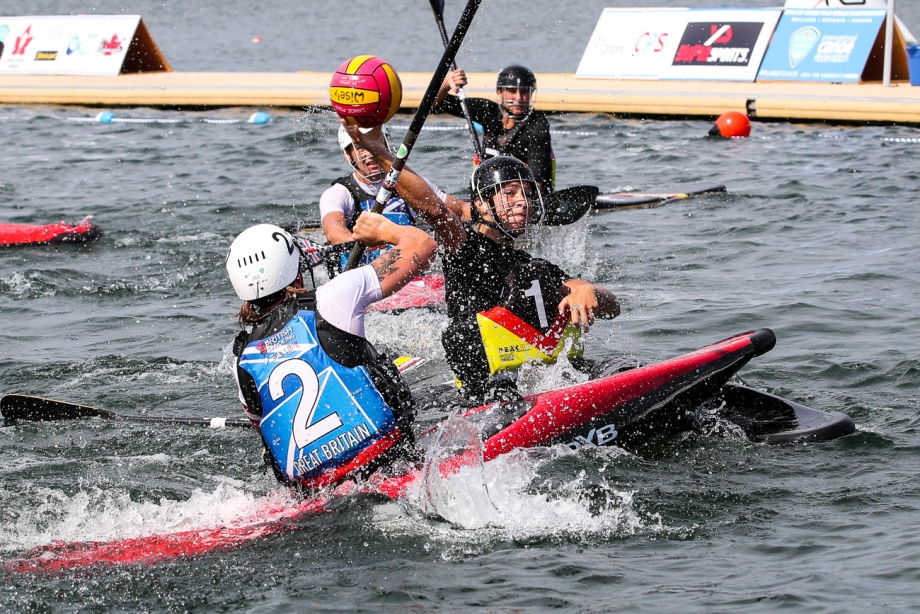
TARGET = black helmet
x,y
488,179
516,76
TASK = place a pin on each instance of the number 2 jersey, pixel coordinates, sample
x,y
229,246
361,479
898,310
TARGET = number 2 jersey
x,y
326,403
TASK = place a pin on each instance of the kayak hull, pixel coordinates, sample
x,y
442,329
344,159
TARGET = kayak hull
x,y
35,234
625,408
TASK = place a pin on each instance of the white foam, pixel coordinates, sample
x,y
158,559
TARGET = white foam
x,y
497,502
107,515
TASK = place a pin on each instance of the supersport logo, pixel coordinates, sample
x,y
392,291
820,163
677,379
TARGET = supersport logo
x,y
717,44
720,35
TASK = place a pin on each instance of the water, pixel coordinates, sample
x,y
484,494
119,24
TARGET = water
x,y
816,239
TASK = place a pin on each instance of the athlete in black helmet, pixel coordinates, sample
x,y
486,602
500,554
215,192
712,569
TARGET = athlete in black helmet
x,y
512,127
483,270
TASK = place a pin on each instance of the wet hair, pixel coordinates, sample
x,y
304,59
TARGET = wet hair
x,y
255,311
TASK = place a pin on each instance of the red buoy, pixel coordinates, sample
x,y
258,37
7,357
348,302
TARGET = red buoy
x,y
731,124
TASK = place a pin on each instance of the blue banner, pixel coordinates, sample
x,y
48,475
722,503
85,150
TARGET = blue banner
x,y
829,45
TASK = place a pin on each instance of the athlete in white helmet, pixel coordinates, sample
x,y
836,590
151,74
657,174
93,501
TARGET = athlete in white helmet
x,y
511,127
340,205
325,403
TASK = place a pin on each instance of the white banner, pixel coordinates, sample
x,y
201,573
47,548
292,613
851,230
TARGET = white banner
x,y
65,45
698,44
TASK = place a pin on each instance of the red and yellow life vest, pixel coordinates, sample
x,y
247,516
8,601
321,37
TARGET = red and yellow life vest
x,y
511,342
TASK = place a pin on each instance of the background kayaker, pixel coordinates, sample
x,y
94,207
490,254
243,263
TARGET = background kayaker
x,y
325,403
341,204
512,127
482,269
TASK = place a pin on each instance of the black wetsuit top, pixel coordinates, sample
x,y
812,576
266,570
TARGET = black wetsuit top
x,y
528,141
480,275
346,349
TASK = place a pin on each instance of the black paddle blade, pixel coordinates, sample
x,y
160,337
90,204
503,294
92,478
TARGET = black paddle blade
x,y
569,205
438,7
15,407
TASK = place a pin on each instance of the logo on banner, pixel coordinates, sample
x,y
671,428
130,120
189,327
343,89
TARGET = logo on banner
x,y
45,56
835,49
110,46
801,43
74,46
717,44
650,42
22,41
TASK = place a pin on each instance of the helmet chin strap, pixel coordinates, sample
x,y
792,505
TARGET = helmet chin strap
x,y
517,117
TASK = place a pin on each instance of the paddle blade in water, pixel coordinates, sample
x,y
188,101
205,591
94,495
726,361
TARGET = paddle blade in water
x,y
569,205
16,407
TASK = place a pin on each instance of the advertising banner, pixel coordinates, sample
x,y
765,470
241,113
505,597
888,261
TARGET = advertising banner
x,y
698,44
77,45
830,45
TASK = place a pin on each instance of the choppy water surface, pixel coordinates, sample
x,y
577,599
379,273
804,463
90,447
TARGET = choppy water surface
x,y
816,239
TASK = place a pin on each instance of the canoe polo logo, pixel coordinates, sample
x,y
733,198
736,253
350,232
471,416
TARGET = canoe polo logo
x,y
801,43
111,45
22,41
74,46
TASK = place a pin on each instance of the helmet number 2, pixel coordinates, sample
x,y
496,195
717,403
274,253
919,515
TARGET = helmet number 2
x,y
305,430
537,295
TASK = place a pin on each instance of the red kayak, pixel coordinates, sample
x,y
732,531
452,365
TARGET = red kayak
x,y
626,409
427,291
35,234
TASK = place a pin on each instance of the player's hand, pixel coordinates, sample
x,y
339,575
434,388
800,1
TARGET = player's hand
x,y
371,229
582,302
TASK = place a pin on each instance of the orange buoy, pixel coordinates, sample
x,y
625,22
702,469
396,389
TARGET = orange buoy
x,y
731,124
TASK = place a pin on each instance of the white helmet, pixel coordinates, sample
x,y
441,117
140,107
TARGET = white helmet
x,y
345,139
262,260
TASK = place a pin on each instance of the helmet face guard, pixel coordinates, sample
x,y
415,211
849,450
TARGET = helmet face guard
x,y
516,86
505,186
351,153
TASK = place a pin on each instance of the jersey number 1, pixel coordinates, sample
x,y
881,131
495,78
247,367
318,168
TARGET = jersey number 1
x,y
537,295
305,431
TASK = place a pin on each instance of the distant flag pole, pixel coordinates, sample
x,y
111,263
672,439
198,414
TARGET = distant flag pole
x,y
889,44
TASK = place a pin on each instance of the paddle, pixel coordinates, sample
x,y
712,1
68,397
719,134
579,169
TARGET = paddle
x,y
569,205
421,114
437,6
21,407
562,208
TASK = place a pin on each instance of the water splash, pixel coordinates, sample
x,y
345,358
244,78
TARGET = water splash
x,y
101,515
504,500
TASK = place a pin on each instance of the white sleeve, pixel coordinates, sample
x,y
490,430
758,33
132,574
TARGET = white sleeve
x,y
343,300
438,191
336,198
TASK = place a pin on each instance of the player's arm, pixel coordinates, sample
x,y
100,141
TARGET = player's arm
x,y
454,80
335,228
443,219
412,253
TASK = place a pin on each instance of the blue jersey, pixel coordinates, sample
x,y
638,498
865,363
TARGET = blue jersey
x,y
316,414
396,210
